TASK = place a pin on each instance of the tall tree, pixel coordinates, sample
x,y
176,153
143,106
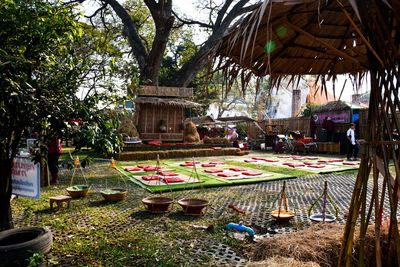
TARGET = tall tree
x,y
149,58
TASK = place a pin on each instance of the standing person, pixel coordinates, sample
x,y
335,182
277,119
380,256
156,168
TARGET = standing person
x,y
352,141
313,126
330,128
54,152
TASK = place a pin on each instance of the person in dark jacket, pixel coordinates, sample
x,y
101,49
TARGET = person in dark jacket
x,y
313,126
54,152
330,129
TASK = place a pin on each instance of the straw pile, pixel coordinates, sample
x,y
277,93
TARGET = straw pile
x,y
127,128
190,133
318,244
282,262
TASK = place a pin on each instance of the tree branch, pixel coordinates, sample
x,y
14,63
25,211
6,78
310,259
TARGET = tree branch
x,y
192,22
138,48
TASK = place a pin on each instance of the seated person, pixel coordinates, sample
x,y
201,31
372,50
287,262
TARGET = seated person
x,y
279,147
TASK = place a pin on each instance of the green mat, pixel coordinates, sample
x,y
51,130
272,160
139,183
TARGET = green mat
x,y
209,180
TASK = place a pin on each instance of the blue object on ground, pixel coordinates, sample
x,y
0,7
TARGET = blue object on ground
x,y
241,228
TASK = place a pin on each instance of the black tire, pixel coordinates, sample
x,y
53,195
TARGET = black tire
x,y
17,245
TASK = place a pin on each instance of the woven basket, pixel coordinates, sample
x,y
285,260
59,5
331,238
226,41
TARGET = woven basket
x,y
118,194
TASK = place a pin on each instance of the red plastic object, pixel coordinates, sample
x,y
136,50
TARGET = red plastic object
x,y
191,162
152,177
350,163
294,165
216,162
252,173
311,158
322,161
186,164
237,169
173,180
168,174
250,160
143,166
270,160
316,166
151,168
287,163
335,160
298,158
216,148
131,168
308,163
154,143
258,158
213,170
228,174
207,165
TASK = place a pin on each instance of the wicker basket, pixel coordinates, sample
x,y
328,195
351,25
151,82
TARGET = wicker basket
x,y
78,191
115,194
193,206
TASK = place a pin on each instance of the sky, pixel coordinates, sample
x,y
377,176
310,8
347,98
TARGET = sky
x,y
188,9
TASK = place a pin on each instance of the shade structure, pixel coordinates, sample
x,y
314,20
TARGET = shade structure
x,y
294,37
331,37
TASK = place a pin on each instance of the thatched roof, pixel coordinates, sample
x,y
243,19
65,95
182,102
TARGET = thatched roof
x,y
333,106
166,101
297,37
235,119
204,120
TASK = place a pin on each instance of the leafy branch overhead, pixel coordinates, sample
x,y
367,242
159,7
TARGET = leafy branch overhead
x,y
149,55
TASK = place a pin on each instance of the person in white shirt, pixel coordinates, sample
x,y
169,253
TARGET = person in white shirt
x,y
352,150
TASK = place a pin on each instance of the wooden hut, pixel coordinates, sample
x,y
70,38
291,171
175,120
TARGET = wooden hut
x,y
160,112
327,38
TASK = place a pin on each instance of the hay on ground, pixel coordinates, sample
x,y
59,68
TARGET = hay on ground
x,y
278,261
320,244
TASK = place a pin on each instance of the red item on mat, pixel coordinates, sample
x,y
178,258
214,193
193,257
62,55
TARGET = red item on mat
x,y
270,160
228,174
335,160
207,165
287,163
294,165
216,148
311,158
213,170
186,164
298,158
322,161
283,157
143,166
151,168
173,180
154,143
152,177
216,162
131,168
252,173
308,163
250,160
350,163
257,158
192,162
237,169
316,166
168,174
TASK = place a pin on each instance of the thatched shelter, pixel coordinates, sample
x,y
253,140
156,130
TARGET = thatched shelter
x,y
160,112
327,38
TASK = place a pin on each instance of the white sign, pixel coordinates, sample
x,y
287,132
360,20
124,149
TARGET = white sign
x,y
26,178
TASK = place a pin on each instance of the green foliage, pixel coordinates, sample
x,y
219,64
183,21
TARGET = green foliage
x,y
100,134
38,65
36,259
309,110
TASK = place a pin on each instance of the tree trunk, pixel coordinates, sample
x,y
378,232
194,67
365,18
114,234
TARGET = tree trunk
x,y
6,221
